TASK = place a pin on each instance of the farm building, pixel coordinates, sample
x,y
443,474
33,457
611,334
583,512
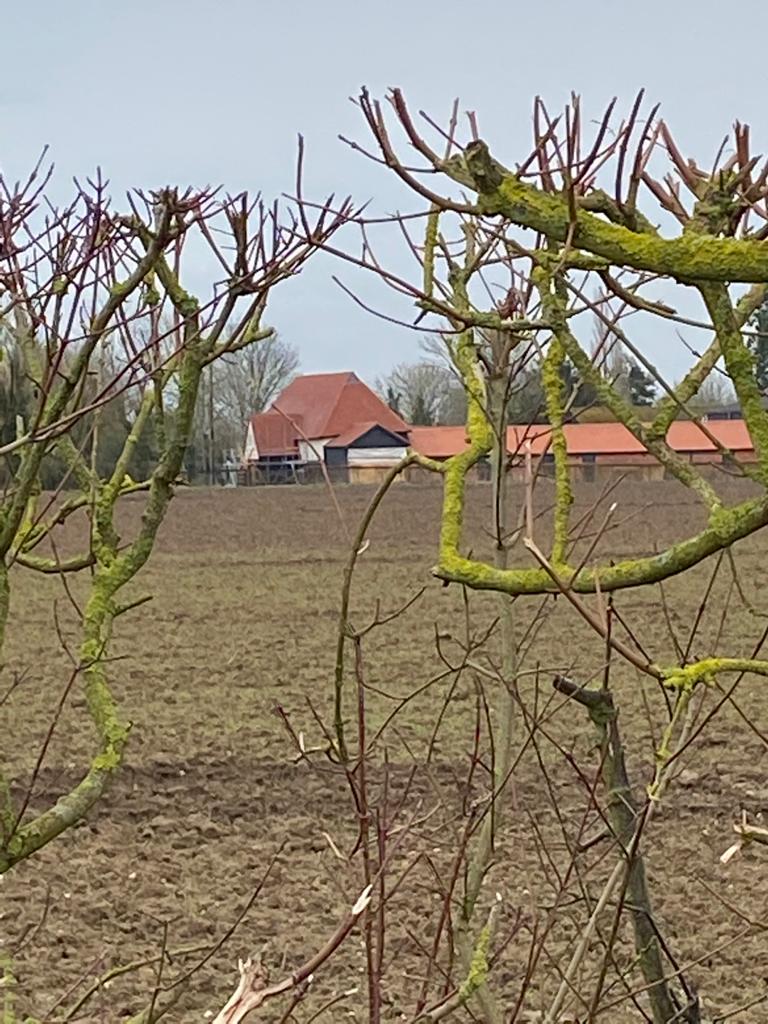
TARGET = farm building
x,y
334,423
324,418
597,448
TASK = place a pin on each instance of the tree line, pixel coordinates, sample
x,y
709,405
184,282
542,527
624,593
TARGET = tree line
x,y
427,392
233,388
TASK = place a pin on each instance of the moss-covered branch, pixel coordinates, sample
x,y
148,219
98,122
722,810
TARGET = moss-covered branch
x,y
59,390
54,566
726,526
117,481
475,980
111,730
740,366
113,570
552,383
621,408
689,257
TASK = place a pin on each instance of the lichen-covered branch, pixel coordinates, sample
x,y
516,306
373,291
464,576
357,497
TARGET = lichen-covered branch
x,y
503,702
689,257
740,366
475,980
619,406
726,527
113,571
579,226
480,434
161,378
552,383
64,386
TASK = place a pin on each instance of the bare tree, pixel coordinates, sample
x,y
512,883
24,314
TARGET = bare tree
x,y
425,393
93,306
509,259
237,386
247,381
716,392
434,848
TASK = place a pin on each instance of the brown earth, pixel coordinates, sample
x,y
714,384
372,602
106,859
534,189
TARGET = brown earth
x,y
243,618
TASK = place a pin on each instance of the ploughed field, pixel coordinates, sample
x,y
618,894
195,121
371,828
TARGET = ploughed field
x,y
237,648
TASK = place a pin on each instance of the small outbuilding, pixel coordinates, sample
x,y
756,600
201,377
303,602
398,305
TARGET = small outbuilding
x,y
365,451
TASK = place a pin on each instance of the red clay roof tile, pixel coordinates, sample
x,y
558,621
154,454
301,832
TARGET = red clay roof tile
x,y
340,406
273,434
319,406
588,438
330,403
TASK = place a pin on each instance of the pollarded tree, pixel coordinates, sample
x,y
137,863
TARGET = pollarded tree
x,y
94,310
548,237
587,230
392,398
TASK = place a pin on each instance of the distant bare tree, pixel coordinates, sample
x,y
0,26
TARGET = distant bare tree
x,y
248,380
425,393
244,383
16,392
716,392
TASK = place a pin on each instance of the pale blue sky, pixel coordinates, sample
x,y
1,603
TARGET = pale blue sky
x,y
189,91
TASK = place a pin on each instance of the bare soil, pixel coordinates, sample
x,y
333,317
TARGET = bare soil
x,y
243,619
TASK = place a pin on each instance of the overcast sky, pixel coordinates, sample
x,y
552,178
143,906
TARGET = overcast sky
x,y
201,92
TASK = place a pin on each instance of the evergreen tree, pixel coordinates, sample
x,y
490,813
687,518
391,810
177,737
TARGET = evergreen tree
x,y
392,398
642,387
420,391
422,411
585,392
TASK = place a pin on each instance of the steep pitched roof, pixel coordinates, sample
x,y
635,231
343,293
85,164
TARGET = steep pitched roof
x,y
328,404
359,429
273,434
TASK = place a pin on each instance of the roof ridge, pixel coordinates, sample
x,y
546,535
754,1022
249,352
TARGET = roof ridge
x,y
360,427
326,373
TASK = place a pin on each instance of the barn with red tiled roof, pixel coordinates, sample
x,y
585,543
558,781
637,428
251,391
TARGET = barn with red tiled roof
x,y
326,417
335,420
594,445
601,439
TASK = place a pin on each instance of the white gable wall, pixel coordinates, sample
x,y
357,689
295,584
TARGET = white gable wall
x,y
251,451
312,451
375,456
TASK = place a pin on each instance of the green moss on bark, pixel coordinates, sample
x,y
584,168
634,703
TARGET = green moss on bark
x,y
689,257
728,526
